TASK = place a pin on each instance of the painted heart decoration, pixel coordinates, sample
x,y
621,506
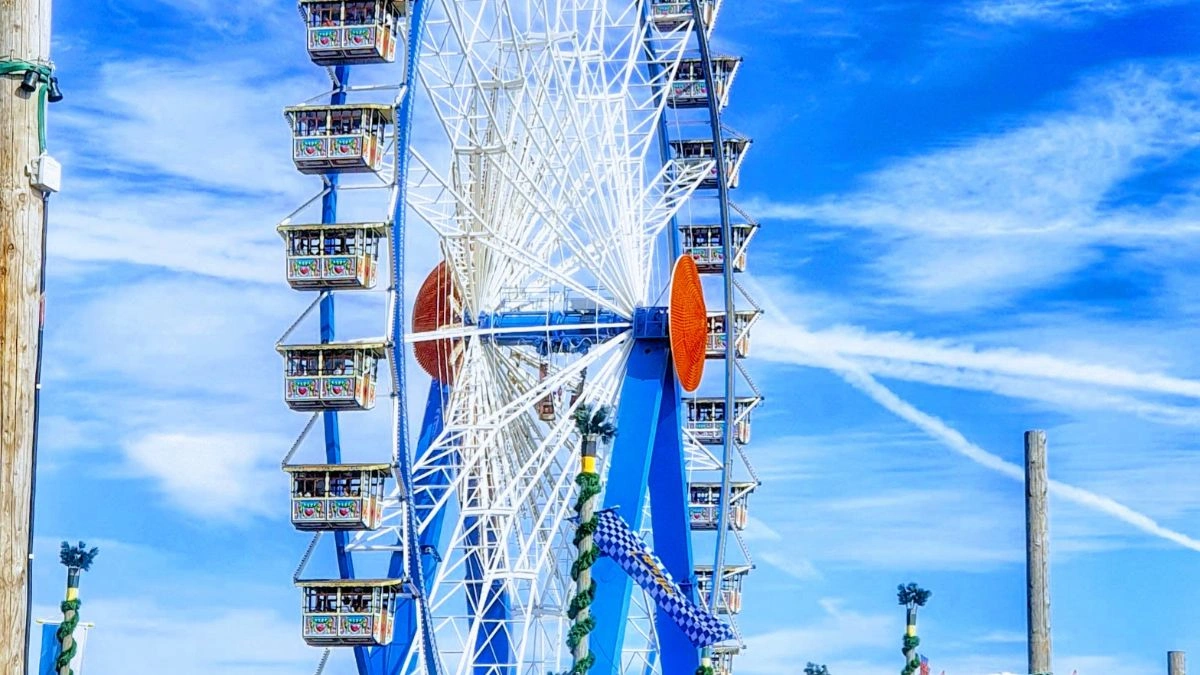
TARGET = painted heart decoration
x,y
354,628
337,390
309,512
339,269
302,391
343,512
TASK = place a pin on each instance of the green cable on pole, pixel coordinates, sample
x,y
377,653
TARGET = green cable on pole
x,y
45,80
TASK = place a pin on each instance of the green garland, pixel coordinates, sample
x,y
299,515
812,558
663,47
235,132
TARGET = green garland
x,y
705,670
911,642
70,610
589,488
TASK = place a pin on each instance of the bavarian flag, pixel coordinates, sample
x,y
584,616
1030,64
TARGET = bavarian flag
x,y
615,540
50,646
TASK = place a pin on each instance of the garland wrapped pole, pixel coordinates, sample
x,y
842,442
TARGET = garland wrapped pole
x,y
911,596
77,559
594,428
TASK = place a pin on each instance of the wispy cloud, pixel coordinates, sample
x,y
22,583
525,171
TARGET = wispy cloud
x,y
1022,208
1009,12
837,633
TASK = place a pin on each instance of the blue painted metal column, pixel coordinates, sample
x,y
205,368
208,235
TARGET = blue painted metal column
x,y
714,116
415,572
672,527
329,419
627,478
389,660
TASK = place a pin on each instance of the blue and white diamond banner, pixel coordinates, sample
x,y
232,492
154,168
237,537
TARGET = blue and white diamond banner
x,y
615,540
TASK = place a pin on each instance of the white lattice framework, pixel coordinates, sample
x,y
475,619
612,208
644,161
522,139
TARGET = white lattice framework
x,y
539,172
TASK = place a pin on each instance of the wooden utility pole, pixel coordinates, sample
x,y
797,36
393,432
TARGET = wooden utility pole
x,y
24,37
1175,664
1037,550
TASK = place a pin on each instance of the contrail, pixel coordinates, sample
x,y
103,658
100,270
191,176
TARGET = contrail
x,y
860,379
855,342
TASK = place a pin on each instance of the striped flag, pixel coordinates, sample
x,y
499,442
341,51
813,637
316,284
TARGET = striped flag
x,y
614,539
924,666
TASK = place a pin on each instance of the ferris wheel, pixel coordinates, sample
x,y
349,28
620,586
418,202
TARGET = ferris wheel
x,y
569,158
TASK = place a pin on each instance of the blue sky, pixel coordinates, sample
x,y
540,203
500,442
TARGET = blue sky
x,y
979,217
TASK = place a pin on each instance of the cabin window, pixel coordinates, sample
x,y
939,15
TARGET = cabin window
x,y
347,121
324,14
311,123
336,242
360,13
305,243
309,486
302,365
319,601
339,363
356,601
345,484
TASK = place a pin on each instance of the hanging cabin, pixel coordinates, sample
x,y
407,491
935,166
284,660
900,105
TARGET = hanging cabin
x,y
340,138
689,89
349,612
717,334
353,32
704,499
325,257
703,243
722,658
337,496
334,376
545,406
668,15
700,152
730,598
706,419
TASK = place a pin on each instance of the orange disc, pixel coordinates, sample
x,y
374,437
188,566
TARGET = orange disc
x,y
688,323
434,309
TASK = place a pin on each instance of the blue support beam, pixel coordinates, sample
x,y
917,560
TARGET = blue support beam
x,y
672,526
491,609
423,630
329,419
570,331
627,479
389,660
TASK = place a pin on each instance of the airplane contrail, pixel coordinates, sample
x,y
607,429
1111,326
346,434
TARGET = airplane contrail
x,y
860,379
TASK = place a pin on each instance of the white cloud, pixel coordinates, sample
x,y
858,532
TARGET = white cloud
x,y
1011,12
222,476
980,223
839,631
137,635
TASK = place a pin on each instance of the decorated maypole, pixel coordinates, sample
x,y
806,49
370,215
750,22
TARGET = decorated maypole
x,y
911,596
77,559
594,427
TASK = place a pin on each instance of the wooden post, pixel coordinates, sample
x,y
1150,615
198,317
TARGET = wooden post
x,y
1037,564
1175,664
24,36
